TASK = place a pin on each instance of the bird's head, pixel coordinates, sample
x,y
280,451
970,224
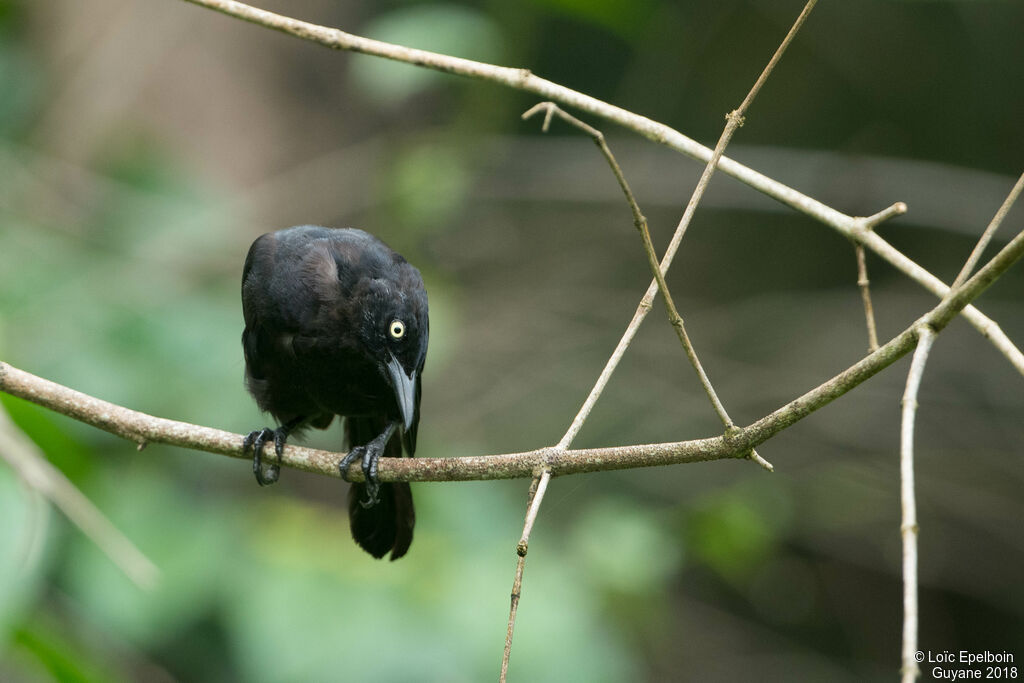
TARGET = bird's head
x,y
394,331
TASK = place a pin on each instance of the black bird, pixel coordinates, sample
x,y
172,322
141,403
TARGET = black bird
x,y
336,324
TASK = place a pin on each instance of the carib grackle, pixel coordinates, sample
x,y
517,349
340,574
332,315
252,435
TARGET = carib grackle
x,y
336,324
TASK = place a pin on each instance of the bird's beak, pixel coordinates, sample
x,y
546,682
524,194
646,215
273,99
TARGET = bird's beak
x,y
405,390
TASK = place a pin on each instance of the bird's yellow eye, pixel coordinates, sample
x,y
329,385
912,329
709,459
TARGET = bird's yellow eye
x,y
397,329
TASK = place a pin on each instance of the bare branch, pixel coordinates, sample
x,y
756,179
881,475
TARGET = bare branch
x,y
895,349
143,428
733,121
908,527
538,487
870,223
988,327
986,236
522,79
640,223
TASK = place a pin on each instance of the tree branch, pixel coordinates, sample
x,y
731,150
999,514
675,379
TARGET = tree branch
x,y
536,495
733,121
888,354
143,428
855,228
986,236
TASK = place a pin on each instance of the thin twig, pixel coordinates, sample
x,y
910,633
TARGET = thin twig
x,y
908,526
986,236
865,294
733,121
873,221
523,79
538,487
38,474
640,223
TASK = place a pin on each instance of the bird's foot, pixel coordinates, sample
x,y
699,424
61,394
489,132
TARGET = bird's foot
x,y
370,454
269,473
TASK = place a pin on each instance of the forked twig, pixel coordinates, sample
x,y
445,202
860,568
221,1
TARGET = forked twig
x,y
733,121
986,236
640,223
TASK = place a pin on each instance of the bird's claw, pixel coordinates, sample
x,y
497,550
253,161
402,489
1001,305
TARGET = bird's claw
x,y
370,454
256,440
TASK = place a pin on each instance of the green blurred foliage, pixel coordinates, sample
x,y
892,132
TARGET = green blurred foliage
x,y
623,17
429,185
444,27
26,524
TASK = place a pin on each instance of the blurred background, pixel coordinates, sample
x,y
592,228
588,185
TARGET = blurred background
x,y
143,146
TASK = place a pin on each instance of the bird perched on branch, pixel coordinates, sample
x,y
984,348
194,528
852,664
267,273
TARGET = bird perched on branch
x,y
336,324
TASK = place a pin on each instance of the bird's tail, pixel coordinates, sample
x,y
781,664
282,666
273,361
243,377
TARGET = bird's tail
x,y
386,526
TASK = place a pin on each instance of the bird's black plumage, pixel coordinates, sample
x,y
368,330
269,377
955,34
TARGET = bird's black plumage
x,y
336,323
